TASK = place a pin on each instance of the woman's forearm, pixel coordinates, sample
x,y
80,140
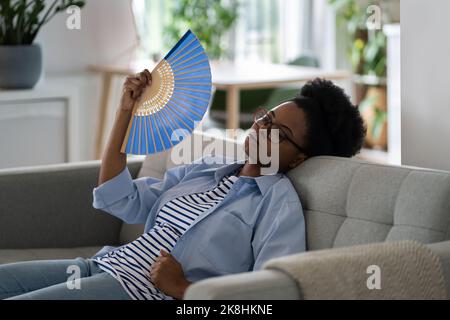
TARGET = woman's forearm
x,y
113,161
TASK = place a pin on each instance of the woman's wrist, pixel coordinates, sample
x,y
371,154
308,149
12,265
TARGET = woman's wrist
x,y
182,288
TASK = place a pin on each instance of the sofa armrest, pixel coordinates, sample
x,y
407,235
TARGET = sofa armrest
x,y
442,249
256,285
51,207
273,284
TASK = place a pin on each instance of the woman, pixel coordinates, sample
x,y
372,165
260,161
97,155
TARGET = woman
x,y
203,219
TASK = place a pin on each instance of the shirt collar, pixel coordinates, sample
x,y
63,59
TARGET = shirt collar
x,y
263,182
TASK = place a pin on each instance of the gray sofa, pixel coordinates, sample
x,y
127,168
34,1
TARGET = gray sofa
x,y
46,213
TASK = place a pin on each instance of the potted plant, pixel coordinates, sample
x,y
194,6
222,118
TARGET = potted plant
x,y
367,54
371,82
20,22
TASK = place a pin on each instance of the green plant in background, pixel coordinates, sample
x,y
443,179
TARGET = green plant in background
x,y
208,19
21,20
368,47
367,51
380,116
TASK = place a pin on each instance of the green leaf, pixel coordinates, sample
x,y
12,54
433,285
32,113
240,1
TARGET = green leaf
x,y
367,102
209,19
378,123
21,20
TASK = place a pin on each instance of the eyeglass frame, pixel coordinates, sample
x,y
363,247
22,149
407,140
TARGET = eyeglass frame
x,y
271,122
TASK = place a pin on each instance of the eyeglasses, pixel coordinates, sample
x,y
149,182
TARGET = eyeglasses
x,y
262,117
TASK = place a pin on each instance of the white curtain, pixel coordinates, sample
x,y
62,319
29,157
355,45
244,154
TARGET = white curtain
x,y
282,30
295,28
323,35
255,35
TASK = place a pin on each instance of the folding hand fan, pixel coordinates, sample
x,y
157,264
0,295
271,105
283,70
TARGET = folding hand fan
x,y
176,100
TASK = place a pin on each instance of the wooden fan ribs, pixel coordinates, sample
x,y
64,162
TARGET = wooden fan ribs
x,y
177,99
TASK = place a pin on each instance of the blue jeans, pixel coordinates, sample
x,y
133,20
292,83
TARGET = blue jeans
x,y
54,280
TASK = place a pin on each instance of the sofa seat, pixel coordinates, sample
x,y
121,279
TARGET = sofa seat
x,y
16,255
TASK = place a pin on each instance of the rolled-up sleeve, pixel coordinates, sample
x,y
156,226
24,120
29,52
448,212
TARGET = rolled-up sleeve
x,y
280,232
131,200
116,188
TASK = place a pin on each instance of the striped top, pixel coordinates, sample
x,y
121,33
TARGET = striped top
x,y
131,264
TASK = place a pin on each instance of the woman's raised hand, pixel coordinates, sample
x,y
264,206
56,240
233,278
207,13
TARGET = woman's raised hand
x,y
133,88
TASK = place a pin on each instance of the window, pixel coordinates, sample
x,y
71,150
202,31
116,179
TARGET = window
x,y
267,30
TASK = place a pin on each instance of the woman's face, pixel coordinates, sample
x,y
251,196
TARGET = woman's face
x,y
290,120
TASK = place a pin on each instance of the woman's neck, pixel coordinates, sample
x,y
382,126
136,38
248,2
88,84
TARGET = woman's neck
x,y
250,170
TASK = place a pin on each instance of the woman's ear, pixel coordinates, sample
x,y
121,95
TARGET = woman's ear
x,y
297,160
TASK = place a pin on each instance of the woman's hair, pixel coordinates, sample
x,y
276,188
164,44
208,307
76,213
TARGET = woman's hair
x,y
334,124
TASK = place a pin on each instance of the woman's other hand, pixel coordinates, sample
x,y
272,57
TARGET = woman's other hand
x,y
133,88
167,274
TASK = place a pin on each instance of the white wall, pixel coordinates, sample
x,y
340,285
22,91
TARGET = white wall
x,y
425,83
107,33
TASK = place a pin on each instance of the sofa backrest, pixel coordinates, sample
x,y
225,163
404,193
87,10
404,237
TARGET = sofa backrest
x,y
349,202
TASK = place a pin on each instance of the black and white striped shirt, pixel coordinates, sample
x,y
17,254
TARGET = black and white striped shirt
x,y
131,264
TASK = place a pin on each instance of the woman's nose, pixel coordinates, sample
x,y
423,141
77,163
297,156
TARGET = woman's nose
x,y
262,125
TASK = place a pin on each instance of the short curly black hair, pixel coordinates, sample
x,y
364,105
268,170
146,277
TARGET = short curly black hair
x,y
334,125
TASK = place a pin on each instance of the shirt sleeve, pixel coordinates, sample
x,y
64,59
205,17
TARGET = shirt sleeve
x,y
280,232
131,200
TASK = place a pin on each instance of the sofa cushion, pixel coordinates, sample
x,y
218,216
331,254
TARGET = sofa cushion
x,y
350,202
16,255
130,232
44,206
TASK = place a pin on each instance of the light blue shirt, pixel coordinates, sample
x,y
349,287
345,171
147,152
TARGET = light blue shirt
x,y
259,219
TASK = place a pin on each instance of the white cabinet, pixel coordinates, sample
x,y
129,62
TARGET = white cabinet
x,y
39,126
